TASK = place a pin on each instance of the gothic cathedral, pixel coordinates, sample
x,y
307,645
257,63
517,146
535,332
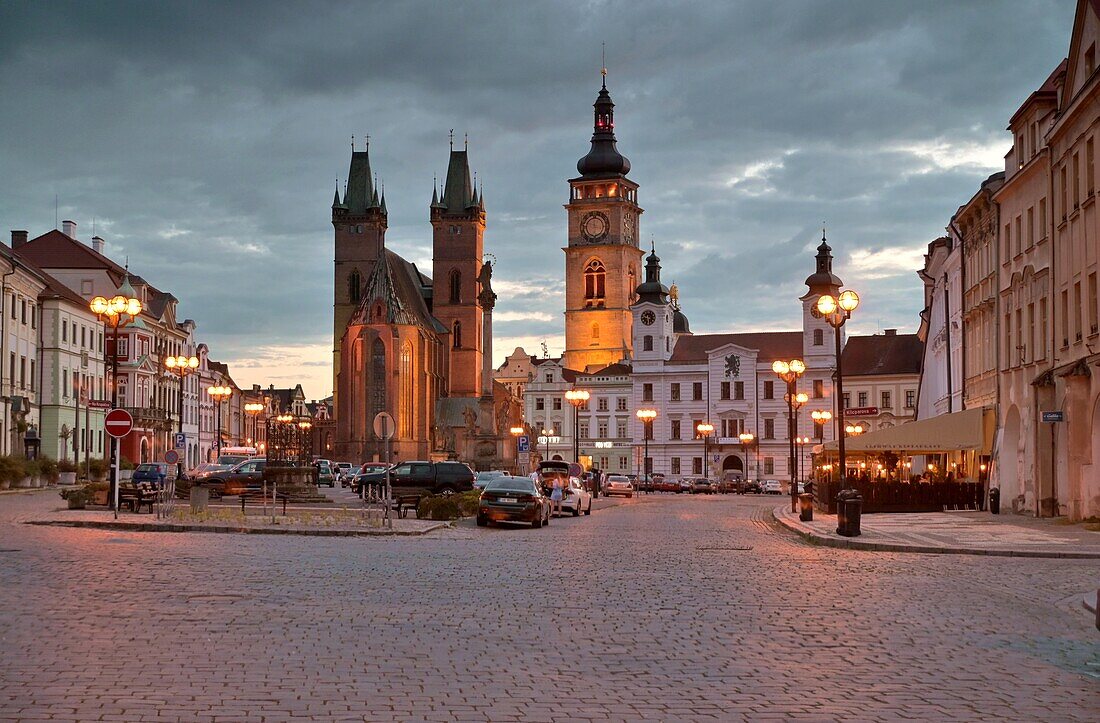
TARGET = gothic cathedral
x,y
603,257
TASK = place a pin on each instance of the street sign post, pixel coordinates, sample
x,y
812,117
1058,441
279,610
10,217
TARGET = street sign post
x,y
99,404
172,457
118,423
180,440
1052,417
523,443
384,428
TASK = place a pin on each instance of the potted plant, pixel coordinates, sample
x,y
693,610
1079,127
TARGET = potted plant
x,y
32,474
66,472
11,471
96,492
77,498
98,469
49,470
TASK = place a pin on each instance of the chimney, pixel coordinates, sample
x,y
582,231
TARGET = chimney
x,y
891,332
97,244
69,228
18,238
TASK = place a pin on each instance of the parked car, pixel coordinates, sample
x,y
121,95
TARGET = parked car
x,y
513,499
343,471
726,486
484,478
326,475
618,484
773,487
703,486
751,485
667,485
206,469
243,478
575,498
439,478
154,473
228,461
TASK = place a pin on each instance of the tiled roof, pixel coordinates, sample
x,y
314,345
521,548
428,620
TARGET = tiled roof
x,y
770,345
53,286
613,370
882,354
55,250
399,288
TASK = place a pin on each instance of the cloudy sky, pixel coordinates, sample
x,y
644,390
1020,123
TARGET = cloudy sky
x,y
204,141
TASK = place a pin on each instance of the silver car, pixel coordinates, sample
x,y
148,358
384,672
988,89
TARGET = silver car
x,y
618,484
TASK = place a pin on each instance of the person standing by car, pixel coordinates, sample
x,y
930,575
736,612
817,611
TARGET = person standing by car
x,y
556,495
595,483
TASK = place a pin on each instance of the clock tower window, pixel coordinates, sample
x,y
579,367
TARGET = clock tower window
x,y
594,278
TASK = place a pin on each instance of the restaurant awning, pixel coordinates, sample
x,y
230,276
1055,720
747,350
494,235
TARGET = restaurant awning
x,y
971,429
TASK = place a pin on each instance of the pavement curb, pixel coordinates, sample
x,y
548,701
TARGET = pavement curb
x,y
852,544
232,529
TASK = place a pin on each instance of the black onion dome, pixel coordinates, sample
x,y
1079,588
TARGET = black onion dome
x,y
603,159
680,323
652,290
823,280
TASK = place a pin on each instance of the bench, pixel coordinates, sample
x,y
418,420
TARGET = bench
x,y
403,503
136,497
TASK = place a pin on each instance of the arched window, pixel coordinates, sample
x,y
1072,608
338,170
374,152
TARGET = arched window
x,y
377,377
456,286
594,274
456,335
647,343
819,337
355,286
405,410
595,331
668,347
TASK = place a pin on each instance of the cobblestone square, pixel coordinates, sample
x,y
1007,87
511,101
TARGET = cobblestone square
x,y
662,608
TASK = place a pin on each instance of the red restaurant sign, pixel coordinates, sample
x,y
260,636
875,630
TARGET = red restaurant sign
x,y
861,412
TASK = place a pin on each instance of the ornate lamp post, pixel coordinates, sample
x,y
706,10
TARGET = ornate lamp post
x,y
801,442
578,398
546,438
517,432
836,312
789,372
119,311
821,417
253,410
181,365
219,395
647,416
747,441
705,429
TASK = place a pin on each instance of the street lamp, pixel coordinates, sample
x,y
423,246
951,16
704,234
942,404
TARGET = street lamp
x,y
789,372
120,310
253,410
578,398
181,365
517,432
219,395
747,440
853,430
836,312
647,416
801,442
546,438
705,429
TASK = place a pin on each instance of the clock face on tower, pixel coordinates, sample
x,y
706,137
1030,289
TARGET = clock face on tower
x,y
594,226
648,317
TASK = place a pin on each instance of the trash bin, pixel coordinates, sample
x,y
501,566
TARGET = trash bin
x,y
200,498
806,507
849,508
994,500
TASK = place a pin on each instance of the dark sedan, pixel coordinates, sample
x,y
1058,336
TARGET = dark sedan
x,y
245,477
513,499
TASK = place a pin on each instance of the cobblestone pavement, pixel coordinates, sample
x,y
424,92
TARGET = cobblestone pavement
x,y
665,607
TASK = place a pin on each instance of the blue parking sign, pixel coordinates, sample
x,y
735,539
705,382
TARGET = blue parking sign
x,y
524,443
180,439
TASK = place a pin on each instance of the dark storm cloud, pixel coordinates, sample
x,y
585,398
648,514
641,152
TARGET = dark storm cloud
x,y
206,139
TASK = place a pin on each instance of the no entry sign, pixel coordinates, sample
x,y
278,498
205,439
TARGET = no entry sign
x,y
118,423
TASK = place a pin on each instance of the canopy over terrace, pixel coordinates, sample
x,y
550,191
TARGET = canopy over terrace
x,y
967,431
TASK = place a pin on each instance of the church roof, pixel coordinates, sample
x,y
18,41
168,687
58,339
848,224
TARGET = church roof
x,y
603,159
458,193
882,354
396,287
613,370
361,194
680,323
770,345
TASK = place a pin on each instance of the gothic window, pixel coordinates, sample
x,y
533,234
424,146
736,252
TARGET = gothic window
x,y
819,337
595,331
456,286
405,411
377,378
355,284
594,274
647,343
456,335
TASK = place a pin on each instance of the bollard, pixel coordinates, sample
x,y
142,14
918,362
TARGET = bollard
x,y
994,501
853,510
842,511
806,507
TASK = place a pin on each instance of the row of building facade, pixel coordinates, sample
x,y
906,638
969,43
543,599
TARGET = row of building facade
x,y
56,383
1011,296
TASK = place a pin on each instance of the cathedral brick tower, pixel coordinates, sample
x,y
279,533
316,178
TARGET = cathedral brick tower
x,y
359,222
458,223
602,258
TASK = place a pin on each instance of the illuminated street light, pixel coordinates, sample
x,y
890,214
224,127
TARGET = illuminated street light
x,y
836,312
790,372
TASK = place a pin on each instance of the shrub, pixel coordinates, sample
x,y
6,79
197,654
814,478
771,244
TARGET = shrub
x,y
126,464
467,502
12,469
97,467
66,466
48,468
32,468
438,507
